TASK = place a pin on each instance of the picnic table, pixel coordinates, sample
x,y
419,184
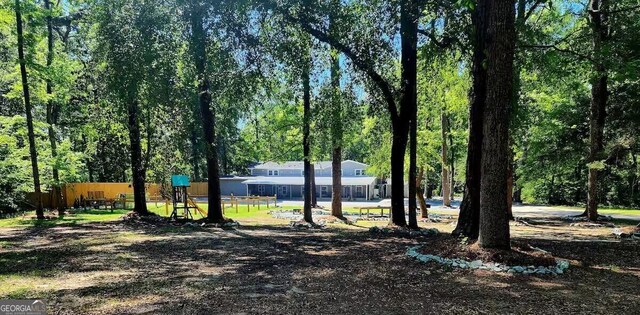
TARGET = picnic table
x,y
381,208
95,198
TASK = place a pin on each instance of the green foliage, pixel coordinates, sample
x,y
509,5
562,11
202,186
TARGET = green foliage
x,y
110,52
15,166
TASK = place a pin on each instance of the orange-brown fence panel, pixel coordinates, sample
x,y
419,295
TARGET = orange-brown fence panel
x,y
198,189
73,191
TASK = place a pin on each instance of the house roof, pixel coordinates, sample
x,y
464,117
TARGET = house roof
x,y
297,165
323,181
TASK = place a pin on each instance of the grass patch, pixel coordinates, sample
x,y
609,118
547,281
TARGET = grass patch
x,y
71,218
252,214
603,210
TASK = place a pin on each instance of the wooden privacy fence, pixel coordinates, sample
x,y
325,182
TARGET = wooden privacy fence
x,y
111,191
74,191
198,189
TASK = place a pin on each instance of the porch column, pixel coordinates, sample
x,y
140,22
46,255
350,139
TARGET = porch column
x,y
367,197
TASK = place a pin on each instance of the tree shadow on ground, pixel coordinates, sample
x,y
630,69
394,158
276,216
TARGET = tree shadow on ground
x,y
276,269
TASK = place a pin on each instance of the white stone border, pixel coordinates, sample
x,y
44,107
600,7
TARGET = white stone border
x,y
560,267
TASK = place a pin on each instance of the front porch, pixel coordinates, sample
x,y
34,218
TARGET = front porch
x,y
349,192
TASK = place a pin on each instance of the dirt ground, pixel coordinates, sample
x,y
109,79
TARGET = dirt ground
x,y
113,268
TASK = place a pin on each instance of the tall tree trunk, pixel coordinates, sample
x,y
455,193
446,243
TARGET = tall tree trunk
x,y
409,13
634,176
510,188
336,128
149,135
199,47
195,155
520,22
424,211
27,104
336,180
494,221
309,192
468,219
398,149
599,95
137,169
452,163
314,188
413,191
51,110
446,181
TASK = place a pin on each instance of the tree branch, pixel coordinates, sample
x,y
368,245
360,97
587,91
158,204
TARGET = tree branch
x,y
444,43
363,64
67,19
532,9
631,8
564,50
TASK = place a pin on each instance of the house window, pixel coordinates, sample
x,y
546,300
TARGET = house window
x,y
359,191
284,190
260,189
359,172
273,173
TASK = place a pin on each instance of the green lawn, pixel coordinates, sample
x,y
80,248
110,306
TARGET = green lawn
x,y
604,210
93,215
85,216
230,212
244,213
